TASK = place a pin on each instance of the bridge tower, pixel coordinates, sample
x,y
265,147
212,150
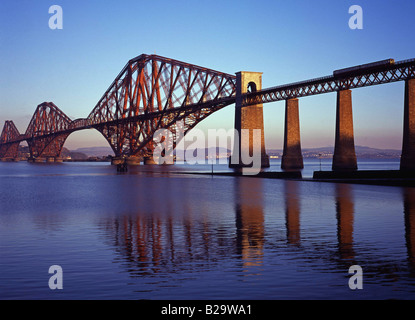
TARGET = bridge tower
x,y
247,117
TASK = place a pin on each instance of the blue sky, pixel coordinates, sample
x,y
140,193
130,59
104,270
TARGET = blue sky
x,y
286,40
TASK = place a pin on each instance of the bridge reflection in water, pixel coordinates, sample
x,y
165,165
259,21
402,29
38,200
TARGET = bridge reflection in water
x,y
345,213
249,221
409,209
177,236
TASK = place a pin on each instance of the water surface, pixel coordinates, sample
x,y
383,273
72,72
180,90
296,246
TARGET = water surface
x,y
155,234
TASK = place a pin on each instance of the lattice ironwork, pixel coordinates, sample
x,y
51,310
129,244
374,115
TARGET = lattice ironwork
x,y
399,71
153,92
8,147
47,131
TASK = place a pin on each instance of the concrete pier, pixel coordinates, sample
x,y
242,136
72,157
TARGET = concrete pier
x,y
292,158
36,159
408,142
248,118
344,158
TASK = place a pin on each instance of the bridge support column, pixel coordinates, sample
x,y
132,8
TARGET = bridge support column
x,y
408,144
344,158
248,118
292,158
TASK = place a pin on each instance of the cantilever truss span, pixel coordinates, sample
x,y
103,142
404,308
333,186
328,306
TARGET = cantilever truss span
x,y
150,93
153,92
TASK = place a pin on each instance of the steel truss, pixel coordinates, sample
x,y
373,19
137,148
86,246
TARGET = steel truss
x,y
400,71
153,92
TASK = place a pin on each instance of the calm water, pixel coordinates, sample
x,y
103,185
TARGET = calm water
x,y
162,235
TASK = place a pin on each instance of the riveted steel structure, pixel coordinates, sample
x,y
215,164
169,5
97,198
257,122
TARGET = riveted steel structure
x,y
47,131
399,71
153,92
8,145
150,93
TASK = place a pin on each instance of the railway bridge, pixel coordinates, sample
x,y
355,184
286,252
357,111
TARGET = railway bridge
x,y
153,92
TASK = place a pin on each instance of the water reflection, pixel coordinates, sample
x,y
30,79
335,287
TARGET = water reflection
x,y
249,220
147,235
409,214
344,214
181,234
292,212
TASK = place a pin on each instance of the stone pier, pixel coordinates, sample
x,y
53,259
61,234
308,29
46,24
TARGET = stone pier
x,y
149,160
248,117
292,158
117,161
133,161
408,143
344,158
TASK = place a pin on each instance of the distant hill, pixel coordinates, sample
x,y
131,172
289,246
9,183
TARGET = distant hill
x,y
24,153
73,154
220,152
362,152
95,151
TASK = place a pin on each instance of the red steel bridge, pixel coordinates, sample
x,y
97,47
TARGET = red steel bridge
x,y
153,92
